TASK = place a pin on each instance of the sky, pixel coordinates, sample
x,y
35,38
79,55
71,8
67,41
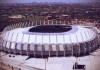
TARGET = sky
x,y
30,1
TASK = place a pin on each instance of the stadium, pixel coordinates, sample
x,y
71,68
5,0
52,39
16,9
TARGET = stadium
x,y
47,42
50,40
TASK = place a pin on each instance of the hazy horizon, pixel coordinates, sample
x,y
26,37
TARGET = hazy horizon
x,y
64,1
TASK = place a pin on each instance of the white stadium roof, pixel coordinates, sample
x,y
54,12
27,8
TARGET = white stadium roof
x,y
49,40
76,35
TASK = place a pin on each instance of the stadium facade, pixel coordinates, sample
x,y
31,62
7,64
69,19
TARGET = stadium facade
x,y
44,41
